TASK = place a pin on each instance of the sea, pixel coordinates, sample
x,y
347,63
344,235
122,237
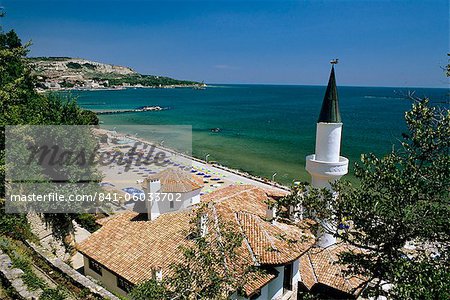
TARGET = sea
x,y
265,129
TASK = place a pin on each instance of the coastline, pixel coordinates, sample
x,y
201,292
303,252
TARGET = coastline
x,y
264,129
232,175
116,88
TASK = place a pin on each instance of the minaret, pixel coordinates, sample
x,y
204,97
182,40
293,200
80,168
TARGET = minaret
x,y
326,165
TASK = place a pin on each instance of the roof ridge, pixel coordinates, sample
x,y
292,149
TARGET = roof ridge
x,y
255,260
236,193
258,220
219,236
312,267
340,270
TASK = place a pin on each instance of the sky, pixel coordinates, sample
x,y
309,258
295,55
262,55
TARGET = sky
x,y
378,43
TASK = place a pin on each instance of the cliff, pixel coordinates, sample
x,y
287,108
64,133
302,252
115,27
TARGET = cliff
x,y
57,73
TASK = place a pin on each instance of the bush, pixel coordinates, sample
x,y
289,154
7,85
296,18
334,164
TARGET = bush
x,y
53,294
72,65
87,221
89,66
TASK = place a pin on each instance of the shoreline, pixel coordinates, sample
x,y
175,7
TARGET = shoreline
x,y
118,88
244,177
215,165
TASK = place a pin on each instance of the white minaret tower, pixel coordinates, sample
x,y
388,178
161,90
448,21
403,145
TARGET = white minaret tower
x,y
326,165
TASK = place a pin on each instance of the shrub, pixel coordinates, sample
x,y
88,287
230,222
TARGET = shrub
x,y
73,65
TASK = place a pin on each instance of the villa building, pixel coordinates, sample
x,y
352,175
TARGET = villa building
x,y
130,249
133,247
180,190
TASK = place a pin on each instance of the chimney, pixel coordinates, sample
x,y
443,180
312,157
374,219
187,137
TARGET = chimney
x,y
203,225
154,187
271,212
157,274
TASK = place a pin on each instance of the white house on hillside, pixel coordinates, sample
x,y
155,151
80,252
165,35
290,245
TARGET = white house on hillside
x,y
170,190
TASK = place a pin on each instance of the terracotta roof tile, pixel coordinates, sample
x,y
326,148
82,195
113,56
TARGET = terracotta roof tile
x,y
256,281
319,265
133,247
175,180
271,243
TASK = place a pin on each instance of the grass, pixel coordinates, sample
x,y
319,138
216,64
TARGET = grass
x,y
21,260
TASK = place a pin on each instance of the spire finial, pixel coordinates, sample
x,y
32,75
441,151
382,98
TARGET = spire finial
x,y
330,105
334,61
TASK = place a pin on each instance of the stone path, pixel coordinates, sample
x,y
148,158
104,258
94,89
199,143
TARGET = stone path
x,y
14,277
45,236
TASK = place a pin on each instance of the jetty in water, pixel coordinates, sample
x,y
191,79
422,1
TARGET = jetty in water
x,y
139,109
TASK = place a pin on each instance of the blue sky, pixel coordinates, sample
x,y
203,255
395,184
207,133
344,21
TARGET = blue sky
x,y
379,43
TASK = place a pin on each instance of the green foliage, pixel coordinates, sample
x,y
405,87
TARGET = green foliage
x,y
53,294
402,198
32,281
74,65
147,80
21,260
78,66
89,66
150,290
13,225
50,58
87,221
22,105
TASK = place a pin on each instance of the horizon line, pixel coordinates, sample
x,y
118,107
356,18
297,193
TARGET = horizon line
x,y
324,85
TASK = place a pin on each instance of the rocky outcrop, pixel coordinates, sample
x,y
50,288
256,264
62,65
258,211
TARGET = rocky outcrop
x,y
67,67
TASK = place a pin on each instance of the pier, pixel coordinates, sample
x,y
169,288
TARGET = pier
x,y
121,111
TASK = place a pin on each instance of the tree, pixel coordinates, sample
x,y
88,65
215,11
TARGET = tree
x,y
22,105
398,215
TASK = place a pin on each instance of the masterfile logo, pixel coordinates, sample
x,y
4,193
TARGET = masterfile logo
x,y
64,169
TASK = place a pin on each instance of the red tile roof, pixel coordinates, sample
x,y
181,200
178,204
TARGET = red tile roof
x,y
319,266
175,180
133,247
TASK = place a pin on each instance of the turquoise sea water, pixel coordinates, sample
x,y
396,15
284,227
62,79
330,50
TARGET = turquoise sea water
x,y
265,128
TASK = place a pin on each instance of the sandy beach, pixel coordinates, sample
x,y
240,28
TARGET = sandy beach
x,y
119,180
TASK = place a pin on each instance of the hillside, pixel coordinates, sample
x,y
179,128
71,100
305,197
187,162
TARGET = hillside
x,y
56,73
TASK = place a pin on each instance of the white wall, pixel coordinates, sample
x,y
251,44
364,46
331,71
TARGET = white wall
x,y
295,274
180,200
328,141
108,279
275,287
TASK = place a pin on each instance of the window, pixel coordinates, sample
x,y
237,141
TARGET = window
x,y
95,266
287,279
124,284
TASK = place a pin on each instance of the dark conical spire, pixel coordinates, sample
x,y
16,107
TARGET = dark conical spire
x,y
329,112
